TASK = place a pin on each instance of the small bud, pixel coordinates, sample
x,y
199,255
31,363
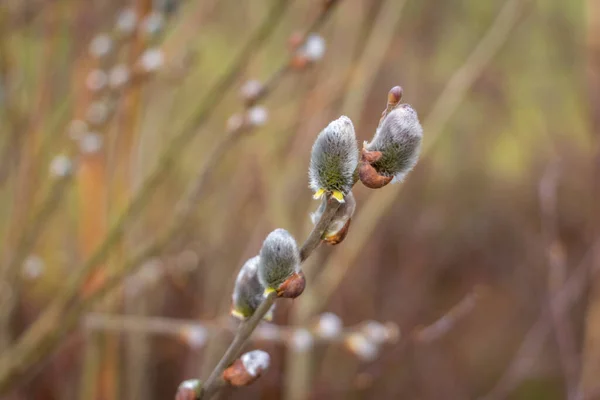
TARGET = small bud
x,y
394,150
152,60
333,160
312,51
279,265
96,80
340,224
33,267
118,76
126,21
90,143
314,48
100,45
394,97
247,369
362,347
257,116
293,286
61,166
195,336
189,390
329,325
251,90
248,292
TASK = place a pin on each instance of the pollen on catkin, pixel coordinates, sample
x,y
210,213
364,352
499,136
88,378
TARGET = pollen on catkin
x,y
279,261
334,159
398,138
248,291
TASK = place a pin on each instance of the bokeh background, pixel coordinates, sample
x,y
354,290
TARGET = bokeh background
x,y
483,259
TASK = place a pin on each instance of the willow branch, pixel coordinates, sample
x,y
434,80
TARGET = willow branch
x,y
214,381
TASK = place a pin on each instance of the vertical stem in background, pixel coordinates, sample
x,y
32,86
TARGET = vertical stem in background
x,y
125,143
92,210
590,385
119,182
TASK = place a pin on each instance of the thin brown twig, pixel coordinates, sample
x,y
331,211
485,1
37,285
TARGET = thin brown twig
x,y
448,321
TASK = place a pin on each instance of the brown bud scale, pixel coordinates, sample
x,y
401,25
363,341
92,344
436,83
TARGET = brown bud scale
x,y
293,286
367,174
339,236
237,375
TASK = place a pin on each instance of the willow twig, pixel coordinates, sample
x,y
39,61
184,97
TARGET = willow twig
x,y
444,324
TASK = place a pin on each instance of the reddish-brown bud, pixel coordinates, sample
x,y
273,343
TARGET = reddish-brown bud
x,y
247,368
340,235
237,375
393,99
367,174
189,390
293,286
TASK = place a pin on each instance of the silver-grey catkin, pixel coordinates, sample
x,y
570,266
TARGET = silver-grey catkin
x,y
398,138
334,158
279,259
248,291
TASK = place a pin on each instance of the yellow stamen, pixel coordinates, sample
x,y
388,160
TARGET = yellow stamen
x,y
238,315
318,194
268,291
339,196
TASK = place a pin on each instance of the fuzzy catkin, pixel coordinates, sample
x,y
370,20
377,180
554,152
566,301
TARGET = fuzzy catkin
x,y
279,259
398,138
334,158
248,291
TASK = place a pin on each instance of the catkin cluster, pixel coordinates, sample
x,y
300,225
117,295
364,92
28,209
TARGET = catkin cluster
x,y
335,166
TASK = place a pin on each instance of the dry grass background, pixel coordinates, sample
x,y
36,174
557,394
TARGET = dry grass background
x,y
502,203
